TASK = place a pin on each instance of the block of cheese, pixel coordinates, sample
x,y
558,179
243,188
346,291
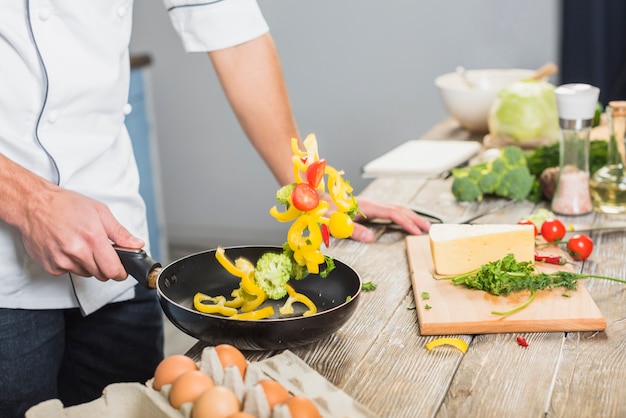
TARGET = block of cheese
x,y
459,248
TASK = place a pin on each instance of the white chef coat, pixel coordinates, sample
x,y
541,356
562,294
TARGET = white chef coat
x,y
64,78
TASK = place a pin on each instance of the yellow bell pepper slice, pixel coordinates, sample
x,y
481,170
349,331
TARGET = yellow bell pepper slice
x,y
217,305
237,300
225,262
287,215
258,314
245,271
457,343
339,190
294,297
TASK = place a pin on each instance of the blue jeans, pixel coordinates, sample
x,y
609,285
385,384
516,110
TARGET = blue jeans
x,y
46,354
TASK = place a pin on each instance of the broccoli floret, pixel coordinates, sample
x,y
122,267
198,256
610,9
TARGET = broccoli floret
x,y
272,272
466,189
298,272
513,156
516,183
506,176
498,166
283,194
489,182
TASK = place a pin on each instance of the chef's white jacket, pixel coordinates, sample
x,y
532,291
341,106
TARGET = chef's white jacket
x,y
64,79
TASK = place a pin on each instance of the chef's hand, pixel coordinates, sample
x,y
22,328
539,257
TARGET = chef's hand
x,y
73,233
410,221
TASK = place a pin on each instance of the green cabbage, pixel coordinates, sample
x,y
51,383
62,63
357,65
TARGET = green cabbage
x,y
524,111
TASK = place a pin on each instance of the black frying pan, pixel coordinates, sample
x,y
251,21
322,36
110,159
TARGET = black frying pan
x,y
335,296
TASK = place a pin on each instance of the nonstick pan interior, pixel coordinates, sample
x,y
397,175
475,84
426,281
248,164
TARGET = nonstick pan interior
x,y
335,296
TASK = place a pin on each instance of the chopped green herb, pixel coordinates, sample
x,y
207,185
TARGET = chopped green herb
x,y
425,295
367,286
504,276
427,306
348,298
410,307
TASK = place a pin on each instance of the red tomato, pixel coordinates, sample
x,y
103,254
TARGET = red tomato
x,y
315,172
528,222
305,197
580,247
552,230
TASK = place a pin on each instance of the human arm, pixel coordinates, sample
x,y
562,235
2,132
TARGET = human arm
x,y
62,230
252,79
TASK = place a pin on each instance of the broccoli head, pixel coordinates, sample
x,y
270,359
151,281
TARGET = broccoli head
x,y
506,176
283,194
272,272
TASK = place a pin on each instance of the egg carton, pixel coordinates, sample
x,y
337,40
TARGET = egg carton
x,y
132,400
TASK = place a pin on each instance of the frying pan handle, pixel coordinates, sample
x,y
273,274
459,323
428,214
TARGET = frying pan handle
x,y
140,265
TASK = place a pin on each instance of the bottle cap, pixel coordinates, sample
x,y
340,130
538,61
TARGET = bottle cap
x,y
576,101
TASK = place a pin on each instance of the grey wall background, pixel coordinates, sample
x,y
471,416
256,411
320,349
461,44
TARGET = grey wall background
x,y
360,76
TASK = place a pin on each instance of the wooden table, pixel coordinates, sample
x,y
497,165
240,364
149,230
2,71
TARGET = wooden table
x,y
380,359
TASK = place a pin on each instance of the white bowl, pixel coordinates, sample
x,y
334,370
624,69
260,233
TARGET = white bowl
x,y
469,105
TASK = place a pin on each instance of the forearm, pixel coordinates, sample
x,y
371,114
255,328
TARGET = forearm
x,y
253,81
21,190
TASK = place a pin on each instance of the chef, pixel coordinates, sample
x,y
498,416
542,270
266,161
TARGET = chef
x,y
71,322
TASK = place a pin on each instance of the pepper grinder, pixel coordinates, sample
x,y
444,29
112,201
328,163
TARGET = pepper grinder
x,y
608,184
576,104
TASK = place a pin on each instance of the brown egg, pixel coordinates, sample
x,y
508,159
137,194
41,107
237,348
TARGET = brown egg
x,y
170,368
188,387
231,355
275,393
301,407
216,402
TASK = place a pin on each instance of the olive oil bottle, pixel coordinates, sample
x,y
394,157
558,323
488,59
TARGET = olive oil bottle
x,y
608,184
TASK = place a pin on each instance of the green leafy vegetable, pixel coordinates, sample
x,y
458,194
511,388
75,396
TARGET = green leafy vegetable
x,y
368,286
524,111
506,176
504,276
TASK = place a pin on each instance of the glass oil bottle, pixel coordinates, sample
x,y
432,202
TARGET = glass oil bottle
x,y
608,184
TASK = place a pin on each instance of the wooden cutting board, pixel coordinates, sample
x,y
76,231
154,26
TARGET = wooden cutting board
x,y
459,310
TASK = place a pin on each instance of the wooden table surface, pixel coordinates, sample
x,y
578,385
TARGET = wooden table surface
x,y
379,357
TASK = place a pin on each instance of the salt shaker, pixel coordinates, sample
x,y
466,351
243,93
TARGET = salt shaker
x,y
608,184
576,104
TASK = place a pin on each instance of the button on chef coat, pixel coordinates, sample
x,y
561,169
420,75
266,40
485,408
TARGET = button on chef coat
x,y
64,82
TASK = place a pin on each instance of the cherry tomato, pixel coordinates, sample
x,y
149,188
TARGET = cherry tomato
x,y
315,172
552,230
528,222
341,225
580,247
305,197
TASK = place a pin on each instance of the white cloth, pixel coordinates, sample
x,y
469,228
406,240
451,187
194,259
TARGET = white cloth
x,y
64,78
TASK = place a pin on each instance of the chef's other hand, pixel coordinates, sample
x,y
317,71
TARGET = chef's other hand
x,y
410,221
73,233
